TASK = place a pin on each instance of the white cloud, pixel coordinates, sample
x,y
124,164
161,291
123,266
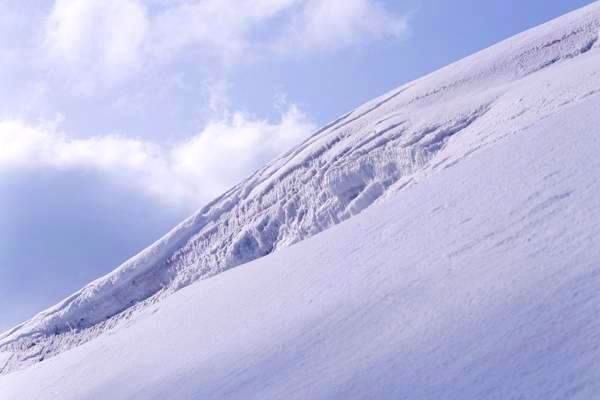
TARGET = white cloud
x,y
186,174
226,151
102,39
109,40
231,31
332,24
220,28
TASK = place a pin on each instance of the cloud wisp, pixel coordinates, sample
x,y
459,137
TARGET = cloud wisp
x,y
323,25
112,40
185,174
96,38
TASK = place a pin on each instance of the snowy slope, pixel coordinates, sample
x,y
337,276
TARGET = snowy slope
x,y
481,283
463,138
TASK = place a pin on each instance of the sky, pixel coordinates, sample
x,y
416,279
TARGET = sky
x,y
119,118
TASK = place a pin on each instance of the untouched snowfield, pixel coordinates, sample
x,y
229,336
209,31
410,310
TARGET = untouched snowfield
x,y
457,256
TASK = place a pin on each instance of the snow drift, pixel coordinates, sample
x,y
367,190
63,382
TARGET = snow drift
x,y
481,255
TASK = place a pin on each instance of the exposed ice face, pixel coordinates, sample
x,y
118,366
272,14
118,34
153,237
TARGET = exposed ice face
x,y
388,144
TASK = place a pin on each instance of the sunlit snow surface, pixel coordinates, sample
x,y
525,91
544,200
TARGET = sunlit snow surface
x,y
476,275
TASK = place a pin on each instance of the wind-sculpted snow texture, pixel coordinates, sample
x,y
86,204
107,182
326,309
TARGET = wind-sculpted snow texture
x,y
389,145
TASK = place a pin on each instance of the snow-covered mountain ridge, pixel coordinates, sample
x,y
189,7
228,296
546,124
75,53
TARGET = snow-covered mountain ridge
x,y
390,144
